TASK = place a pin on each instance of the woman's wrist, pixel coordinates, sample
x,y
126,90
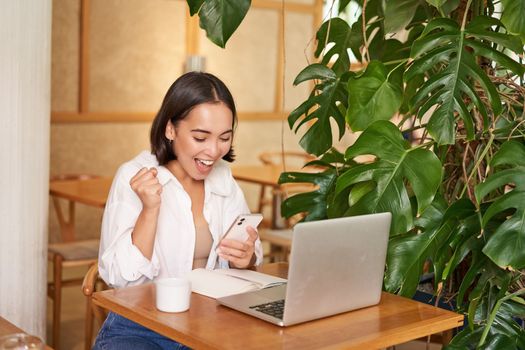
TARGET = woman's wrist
x,y
251,263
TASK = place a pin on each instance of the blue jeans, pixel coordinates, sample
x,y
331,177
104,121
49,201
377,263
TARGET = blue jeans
x,y
119,333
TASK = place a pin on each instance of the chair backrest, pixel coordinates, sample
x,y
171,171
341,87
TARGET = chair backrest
x,y
63,177
287,161
92,283
293,161
290,160
67,224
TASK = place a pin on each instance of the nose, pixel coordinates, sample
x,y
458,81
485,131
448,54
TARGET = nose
x,y
214,149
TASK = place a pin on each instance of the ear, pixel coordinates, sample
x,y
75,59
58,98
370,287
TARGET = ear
x,y
170,131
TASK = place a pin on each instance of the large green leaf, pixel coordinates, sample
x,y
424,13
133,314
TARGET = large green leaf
x,y
468,338
340,39
342,5
314,203
466,240
445,6
195,6
328,100
513,17
375,34
372,96
317,204
399,13
407,253
436,3
395,162
219,18
506,246
496,313
447,55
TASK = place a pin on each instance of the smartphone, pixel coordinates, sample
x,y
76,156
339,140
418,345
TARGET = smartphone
x,y
237,229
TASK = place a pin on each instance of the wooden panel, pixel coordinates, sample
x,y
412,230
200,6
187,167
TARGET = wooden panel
x,y
115,117
248,64
85,10
65,55
296,6
118,68
192,34
299,51
137,50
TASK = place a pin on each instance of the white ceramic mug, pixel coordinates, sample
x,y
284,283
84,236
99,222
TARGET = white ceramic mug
x,y
173,294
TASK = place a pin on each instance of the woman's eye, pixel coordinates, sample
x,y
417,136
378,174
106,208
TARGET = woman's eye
x,y
199,139
227,139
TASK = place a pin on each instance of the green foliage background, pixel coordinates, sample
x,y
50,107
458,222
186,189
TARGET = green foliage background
x,y
440,104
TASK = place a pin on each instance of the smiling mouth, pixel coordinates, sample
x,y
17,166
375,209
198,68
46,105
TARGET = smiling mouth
x,y
205,162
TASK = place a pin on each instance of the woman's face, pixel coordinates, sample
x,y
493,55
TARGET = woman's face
x,y
202,138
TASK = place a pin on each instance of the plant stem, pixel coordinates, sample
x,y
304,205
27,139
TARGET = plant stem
x,y
423,145
396,67
464,167
363,19
464,22
493,313
515,128
414,128
402,60
478,162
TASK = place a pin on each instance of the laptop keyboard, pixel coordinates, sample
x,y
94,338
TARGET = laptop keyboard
x,y
274,308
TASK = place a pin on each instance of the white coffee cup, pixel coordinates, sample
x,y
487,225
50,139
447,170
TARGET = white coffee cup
x,y
173,294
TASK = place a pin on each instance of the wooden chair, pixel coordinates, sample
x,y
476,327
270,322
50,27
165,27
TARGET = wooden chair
x,y
279,236
92,283
69,252
287,160
280,241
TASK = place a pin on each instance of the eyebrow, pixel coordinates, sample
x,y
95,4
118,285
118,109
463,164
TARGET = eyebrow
x,y
208,132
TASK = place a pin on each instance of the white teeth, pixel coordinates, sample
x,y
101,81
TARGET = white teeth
x,y
206,162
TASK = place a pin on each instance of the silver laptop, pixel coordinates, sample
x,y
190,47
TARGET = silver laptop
x,y
336,265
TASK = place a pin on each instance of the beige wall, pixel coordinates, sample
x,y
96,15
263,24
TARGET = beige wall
x,y
137,48
101,148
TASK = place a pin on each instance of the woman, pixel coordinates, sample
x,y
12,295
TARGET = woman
x,y
168,208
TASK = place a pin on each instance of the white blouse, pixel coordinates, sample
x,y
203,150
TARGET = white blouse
x,y
122,264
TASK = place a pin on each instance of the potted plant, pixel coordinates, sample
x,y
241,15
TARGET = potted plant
x,y
439,106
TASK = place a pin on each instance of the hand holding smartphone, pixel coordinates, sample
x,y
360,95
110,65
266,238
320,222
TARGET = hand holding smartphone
x,y
237,229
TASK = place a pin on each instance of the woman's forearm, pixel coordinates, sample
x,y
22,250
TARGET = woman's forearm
x,y
143,235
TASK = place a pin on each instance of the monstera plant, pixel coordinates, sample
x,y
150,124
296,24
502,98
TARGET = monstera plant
x,y
439,106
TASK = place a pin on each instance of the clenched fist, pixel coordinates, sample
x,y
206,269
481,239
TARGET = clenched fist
x,y
147,187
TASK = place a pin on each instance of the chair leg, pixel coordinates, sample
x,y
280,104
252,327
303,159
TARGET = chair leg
x,y
446,337
88,328
57,299
261,199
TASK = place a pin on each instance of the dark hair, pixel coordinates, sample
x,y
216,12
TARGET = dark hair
x,y
188,91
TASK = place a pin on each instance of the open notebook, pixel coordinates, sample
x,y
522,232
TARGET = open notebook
x,y
224,282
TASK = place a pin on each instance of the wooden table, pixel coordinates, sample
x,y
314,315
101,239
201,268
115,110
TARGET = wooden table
x,y
257,174
7,327
208,325
93,192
